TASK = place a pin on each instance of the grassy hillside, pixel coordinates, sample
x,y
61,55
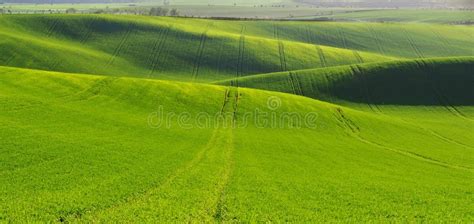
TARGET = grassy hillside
x,y
209,50
426,82
311,122
59,165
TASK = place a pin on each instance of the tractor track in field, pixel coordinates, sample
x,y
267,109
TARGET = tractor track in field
x,y
222,134
154,50
342,37
352,129
319,51
219,205
295,84
281,49
157,49
88,33
51,29
360,76
200,52
328,87
121,45
441,98
444,42
240,59
322,58
374,35
412,44
357,56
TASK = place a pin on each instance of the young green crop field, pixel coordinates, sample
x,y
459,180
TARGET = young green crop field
x,y
137,119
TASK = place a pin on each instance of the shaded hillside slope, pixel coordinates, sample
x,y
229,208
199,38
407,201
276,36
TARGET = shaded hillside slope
x,y
210,50
409,82
84,144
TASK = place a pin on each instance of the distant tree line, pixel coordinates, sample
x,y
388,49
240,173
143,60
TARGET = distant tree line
x,y
159,11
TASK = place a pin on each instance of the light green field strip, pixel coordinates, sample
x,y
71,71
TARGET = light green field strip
x,y
83,144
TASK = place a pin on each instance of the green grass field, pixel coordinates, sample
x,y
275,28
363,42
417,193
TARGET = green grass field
x,y
155,119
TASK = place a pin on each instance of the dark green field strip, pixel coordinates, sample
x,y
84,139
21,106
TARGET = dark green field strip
x,y
380,79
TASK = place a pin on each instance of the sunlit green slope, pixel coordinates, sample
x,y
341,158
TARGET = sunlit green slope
x,y
209,50
90,148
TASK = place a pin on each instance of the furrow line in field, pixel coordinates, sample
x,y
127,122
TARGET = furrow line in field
x,y
158,49
120,46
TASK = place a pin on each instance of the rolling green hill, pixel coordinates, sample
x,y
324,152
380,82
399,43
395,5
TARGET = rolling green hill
x,y
53,153
207,50
430,82
148,119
